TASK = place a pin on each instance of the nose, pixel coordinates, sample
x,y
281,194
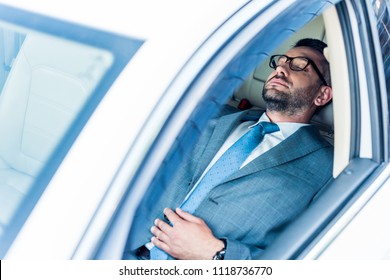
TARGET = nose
x,y
283,69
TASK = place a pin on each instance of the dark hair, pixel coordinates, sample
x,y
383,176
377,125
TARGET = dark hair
x,y
315,44
319,46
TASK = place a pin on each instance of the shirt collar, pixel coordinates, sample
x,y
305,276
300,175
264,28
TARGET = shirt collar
x,y
286,128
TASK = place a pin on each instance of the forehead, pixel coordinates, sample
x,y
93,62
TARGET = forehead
x,y
306,52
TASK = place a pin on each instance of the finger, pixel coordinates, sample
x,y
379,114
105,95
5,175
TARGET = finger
x,y
160,235
163,226
188,217
160,244
171,215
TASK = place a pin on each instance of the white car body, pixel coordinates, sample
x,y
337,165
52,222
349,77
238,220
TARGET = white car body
x,y
179,38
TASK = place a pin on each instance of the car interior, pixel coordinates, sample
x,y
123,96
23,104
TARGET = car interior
x,y
42,94
333,123
249,94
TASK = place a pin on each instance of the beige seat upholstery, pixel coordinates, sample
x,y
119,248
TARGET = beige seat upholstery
x,y
48,84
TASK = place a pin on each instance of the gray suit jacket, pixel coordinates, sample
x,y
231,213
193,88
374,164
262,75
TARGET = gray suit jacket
x,y
252,205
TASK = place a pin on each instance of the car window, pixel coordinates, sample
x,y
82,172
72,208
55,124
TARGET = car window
x,y
218,99
11,43
53,76
381,9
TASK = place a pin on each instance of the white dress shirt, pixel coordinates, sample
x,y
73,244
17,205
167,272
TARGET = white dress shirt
x,y
269,141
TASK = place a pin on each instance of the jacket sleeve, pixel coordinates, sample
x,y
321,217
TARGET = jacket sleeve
x,y
237,251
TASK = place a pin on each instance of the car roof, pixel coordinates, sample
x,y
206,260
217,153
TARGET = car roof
x,y
143,19
171,31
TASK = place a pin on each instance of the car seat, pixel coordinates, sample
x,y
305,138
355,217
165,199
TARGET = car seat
x,y
48,84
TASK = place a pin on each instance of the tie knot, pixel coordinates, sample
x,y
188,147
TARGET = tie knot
x,y
269,127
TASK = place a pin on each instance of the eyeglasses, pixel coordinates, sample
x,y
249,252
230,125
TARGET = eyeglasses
x,y
298,63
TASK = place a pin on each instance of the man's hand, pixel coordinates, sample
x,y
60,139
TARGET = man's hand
x,y
187,238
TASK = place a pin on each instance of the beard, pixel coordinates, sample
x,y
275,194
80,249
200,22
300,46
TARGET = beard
x,y
289,101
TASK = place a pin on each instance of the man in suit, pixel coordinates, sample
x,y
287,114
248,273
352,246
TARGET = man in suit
x,y
240,216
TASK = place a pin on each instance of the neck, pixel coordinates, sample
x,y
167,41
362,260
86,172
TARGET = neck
x,y
276,116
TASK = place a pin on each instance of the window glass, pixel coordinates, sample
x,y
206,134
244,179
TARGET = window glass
x,y
11,42
179,172
52,76
381,9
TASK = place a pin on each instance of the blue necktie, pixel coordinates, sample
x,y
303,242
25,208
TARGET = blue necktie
x,y
225,166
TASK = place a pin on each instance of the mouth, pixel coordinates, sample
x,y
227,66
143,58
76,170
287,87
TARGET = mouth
x,y
277,82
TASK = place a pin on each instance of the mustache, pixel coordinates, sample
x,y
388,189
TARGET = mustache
x,y
280,77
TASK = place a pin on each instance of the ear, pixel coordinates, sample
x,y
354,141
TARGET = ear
x,y
324,96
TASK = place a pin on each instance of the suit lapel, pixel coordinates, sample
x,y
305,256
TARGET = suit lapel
x,y
222,130
306,140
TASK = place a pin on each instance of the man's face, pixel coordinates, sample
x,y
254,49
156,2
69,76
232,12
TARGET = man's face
x,y
292,91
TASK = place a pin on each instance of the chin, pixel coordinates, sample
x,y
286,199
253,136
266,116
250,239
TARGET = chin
x,y
274,95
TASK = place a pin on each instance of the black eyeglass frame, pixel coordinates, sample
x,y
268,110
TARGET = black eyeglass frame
x,y
273,65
